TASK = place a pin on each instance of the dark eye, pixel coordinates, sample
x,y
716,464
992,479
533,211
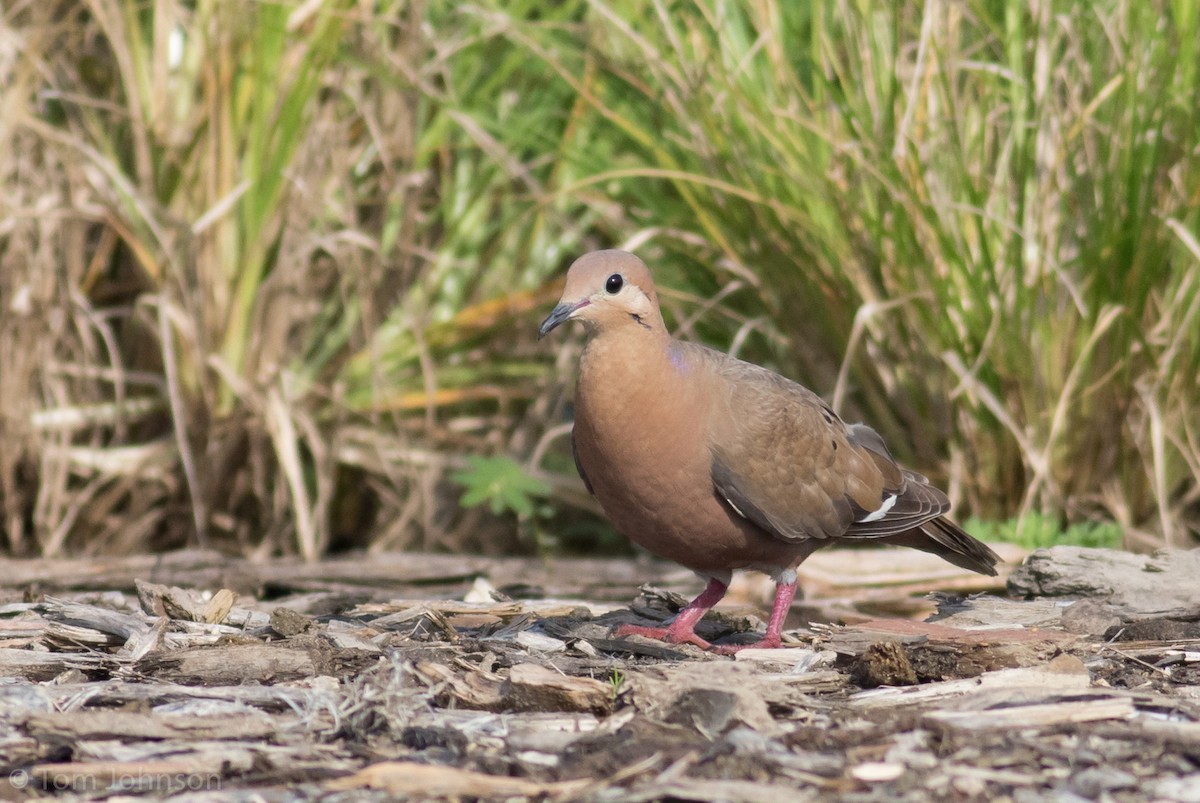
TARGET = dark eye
x,y
614,284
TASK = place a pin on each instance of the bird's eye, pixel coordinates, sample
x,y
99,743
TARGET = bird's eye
x,y
614,284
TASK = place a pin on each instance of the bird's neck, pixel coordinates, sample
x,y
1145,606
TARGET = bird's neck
x,y
633,377
625,356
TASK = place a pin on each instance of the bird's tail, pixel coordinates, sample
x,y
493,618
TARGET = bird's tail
x,y
950,542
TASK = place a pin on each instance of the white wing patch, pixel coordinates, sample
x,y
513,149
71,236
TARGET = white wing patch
x,y
883,510
736,509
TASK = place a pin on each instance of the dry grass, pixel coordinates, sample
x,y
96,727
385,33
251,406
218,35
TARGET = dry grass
x,y
247,280
271,272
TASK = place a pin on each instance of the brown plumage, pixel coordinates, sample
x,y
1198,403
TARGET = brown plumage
x,y
718,464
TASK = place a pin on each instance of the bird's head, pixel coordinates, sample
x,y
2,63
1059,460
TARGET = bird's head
x,y
607,289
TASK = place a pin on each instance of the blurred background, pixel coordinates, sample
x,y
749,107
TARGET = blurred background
x,y
270,273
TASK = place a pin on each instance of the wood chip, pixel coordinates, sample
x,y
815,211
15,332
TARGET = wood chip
x,y
473,690
877,771
228,665
1024,717
133,698
1063,675
537,642
800,659
531,687
41,666
288,623
68,727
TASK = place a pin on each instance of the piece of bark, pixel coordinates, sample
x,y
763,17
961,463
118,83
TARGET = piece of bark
x,y
231,664
471,690
1089,617
711,698
989,612
931,651
288,623
1154,629
382,576
1185,735
548,733
823,681
539,642
173,602
68,727
1136,585
42,666
799,659
1036,716
109,694
117,627
649,648
194,567
531,687
885,663
1063,675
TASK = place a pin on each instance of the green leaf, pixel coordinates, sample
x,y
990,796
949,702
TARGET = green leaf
x,y
502,484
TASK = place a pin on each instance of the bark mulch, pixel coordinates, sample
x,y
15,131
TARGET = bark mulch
x,y
436,677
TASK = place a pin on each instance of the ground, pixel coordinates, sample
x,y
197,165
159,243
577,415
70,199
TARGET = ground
x,y
434,677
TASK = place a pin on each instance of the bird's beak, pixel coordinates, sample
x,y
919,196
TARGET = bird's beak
x,y
559,314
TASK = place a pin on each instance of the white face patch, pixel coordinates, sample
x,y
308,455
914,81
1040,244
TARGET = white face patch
x,y
633,299
883,510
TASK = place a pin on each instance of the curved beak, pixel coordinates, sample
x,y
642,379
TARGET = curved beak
x,y
559,314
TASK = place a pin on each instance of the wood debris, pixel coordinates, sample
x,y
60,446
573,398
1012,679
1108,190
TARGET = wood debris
x,y
121,680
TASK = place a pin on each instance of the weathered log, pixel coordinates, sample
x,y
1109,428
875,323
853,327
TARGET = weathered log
x,y
1163,584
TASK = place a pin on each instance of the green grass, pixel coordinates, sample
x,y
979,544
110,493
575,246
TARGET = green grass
x,y
1037,531
972,228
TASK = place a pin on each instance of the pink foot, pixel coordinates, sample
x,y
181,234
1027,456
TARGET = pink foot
x,y
785,590
683,629
671,634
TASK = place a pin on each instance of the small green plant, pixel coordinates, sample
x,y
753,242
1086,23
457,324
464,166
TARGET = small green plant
x,y
615,679
503,484
1035,531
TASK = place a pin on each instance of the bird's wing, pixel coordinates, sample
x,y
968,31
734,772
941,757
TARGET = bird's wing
x,y
784,460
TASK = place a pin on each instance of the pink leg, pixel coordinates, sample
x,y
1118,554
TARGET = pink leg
x,y
785,590
683,629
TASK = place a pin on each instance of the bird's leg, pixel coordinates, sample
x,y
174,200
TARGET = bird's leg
x,y
785,590
682,629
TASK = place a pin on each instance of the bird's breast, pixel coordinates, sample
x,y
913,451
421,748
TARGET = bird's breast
x,y
641,438
639,432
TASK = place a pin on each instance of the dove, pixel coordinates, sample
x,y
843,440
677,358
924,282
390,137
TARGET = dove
x,y
721,465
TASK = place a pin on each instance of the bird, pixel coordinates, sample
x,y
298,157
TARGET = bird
x,y
721,465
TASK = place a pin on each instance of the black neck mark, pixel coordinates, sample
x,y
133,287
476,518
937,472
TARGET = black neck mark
x,y
638,320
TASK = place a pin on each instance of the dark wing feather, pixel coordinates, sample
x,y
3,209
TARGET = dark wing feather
x,y
790,525
579,466
950,542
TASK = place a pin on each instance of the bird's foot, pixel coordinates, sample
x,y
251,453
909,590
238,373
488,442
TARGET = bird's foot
x,y
672,634
767,642
785,591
